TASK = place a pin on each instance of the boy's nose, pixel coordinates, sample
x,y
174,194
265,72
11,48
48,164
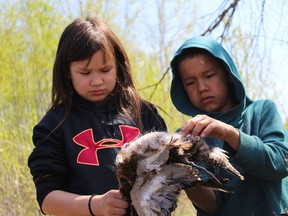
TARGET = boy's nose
x,y
202,85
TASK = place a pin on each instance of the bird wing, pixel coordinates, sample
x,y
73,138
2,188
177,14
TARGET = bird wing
x,y
157,193
201,152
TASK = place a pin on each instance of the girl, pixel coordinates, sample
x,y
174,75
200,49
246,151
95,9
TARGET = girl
x,y
95,109
206,85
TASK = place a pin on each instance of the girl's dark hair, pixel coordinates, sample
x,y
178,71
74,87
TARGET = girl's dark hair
x,y
79,41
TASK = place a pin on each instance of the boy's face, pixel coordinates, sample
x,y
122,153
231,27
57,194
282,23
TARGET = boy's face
x,y
206,83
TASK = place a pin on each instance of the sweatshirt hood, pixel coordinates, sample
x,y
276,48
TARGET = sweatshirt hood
x,y
177,92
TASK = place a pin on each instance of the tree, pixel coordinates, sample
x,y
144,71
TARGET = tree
x,y
151,31
29,33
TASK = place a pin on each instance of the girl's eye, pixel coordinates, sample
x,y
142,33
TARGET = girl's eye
x,y
190,83
85,73
105,70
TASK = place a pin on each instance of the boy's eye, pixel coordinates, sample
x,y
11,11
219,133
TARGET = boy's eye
x,y
210,75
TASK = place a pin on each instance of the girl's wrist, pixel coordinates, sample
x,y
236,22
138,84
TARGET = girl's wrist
x,y
90,205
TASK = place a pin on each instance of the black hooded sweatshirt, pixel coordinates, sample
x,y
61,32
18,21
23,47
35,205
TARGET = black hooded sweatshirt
x,y
79,155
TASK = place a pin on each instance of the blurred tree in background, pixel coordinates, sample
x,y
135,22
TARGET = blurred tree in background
x,y
29,34
150,31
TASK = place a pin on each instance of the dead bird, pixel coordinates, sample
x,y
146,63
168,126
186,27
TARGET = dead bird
x,y
154,168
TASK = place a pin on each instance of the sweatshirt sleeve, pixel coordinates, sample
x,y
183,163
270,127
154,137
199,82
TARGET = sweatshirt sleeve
x,y
263,144
47,162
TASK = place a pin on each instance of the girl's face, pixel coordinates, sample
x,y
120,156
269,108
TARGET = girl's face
x,y
206,83
94,80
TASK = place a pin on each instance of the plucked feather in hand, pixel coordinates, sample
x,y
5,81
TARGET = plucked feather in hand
x,y
153,169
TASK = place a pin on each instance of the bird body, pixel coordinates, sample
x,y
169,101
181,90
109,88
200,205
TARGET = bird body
x,y
153,169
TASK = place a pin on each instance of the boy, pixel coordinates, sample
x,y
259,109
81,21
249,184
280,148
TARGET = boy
x,y
207,86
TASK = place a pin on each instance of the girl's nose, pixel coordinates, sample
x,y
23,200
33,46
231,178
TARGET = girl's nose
x,y
96,80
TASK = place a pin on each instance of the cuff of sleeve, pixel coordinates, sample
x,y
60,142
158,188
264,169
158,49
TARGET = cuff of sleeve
x,y
247,149
45,185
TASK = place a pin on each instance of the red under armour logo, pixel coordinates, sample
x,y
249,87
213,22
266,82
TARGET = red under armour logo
x,y
86,139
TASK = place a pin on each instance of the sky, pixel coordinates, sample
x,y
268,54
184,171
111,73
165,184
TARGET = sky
x,y
271,39
275,24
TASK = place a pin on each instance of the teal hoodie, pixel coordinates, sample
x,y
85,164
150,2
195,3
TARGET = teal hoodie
x,y
262,155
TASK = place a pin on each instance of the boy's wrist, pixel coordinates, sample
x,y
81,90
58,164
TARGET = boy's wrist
x,y
233,138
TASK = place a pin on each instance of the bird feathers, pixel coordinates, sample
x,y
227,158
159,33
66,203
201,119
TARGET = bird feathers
x,y
153,169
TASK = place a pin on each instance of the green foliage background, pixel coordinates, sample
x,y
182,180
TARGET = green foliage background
x,y
29,34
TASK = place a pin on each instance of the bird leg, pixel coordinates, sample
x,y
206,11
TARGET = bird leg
x,y
214,179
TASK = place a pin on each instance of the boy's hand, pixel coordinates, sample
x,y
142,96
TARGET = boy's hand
x,y
205,126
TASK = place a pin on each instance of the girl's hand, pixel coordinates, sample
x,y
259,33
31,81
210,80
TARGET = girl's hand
x,y
110,203
205,126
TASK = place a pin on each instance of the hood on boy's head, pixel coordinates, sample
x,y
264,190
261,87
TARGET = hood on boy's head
x,y
178,93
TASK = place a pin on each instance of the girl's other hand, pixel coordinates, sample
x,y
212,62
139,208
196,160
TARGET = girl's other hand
x,y
110,203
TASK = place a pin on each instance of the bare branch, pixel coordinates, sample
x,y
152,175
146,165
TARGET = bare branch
x,y
230,11
155,85
221,17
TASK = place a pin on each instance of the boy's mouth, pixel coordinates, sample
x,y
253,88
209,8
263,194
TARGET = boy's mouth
x,y
205,100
